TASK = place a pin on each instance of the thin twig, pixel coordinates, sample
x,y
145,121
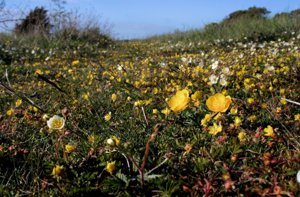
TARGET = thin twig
x,y
146,154
21,95
145,117
128,164
10,20
290,101
50,82
6,75
151,139
164,161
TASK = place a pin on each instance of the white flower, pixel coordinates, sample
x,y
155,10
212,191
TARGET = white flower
x,y
119,67
215,65
181,67
110,141
270,68
163,65
213,79
226,71
56,122
298,176
223,81
258,76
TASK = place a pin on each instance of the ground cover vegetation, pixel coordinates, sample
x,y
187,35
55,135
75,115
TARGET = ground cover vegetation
x,y
151,118
256,24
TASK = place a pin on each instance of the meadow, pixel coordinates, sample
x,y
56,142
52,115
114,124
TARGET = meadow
x,y
151,118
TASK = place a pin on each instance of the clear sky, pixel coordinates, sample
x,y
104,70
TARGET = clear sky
x,y
142,18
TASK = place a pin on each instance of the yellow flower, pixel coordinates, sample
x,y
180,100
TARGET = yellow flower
x,y
233,111
206,119
69,148
138,103
35,109
196,96
166,111
179,101
86,96
297,117
283,101
269,131
218,102
242,136
56,171
18,102
113,97
218,116
252,118
224,92
116,140
75,62
107,117
197,103
250,100
111,167
215,129
148,102
91,139
237,121
155,111
10,112
155,90
56,122
38,72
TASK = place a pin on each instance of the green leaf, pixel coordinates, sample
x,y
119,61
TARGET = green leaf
x,y
150,177
122,177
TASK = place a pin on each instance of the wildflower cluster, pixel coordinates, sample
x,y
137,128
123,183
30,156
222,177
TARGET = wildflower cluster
x,y
177,119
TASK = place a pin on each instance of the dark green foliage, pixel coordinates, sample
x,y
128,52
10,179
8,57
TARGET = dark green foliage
x,y
5,56
295,13
36,23
252,12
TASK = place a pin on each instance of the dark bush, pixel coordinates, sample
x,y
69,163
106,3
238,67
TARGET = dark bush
x,y
252,12
35,23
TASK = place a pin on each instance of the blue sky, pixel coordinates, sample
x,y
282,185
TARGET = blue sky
x,y
142,18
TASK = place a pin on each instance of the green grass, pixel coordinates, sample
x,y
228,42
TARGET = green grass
x,y
240,29
155,153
